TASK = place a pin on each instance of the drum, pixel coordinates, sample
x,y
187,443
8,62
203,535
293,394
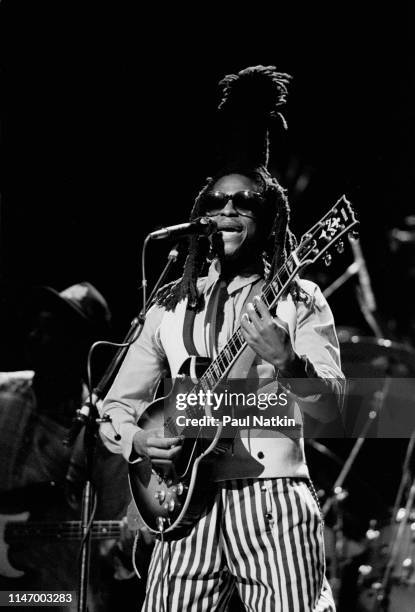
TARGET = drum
x,y
375,357
381,377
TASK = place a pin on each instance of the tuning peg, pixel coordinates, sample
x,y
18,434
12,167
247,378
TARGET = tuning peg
x,y
160,495
327,259
340,246
180,489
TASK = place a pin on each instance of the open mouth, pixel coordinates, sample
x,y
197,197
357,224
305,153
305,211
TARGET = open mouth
x,y
231,228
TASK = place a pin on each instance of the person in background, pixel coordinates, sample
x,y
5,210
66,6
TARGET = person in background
x,y
38,473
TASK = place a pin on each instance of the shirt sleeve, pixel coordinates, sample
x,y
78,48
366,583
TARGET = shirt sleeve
x,y
316,336
134,386
317,347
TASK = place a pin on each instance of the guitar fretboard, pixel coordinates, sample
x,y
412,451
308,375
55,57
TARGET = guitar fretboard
x,y
65,530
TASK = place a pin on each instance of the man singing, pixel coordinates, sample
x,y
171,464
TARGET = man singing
x,y
262,532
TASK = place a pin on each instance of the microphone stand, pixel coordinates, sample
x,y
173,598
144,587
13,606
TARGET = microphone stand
x,y
365,297
339,494
339,282
135,330
398,532
89,421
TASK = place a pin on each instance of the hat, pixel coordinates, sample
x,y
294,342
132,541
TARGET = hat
x,y
81,302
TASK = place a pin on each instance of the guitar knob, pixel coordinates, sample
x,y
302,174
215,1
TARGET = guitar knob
x,y
180,489
340,246
172,505
160,495
327,259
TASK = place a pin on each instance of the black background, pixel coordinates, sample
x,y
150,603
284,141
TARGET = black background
x,y
108,115
107,134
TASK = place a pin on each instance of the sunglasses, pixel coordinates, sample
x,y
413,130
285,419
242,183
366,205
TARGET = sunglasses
x,y
246,203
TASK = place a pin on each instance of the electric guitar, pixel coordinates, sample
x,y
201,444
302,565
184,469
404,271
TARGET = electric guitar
x,y
170,499
16,527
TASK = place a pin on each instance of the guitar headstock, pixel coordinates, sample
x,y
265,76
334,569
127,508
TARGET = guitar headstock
x,y
327,232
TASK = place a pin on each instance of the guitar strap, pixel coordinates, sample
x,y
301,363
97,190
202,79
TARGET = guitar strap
x,y
246,358
188,326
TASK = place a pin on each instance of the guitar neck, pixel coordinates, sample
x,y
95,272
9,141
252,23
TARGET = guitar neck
x,y
65,530
327,232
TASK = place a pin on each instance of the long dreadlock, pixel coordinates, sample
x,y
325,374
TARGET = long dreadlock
x,y
249,99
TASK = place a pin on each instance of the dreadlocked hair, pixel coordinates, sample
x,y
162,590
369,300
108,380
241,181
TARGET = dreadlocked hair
x,y
260,86
278,243
249,100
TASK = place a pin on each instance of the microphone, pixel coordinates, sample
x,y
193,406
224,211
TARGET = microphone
x,y
363,274
203,226
82,417
78,422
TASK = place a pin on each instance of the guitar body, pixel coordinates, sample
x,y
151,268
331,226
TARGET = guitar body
x,y
170,497
6,569
17,528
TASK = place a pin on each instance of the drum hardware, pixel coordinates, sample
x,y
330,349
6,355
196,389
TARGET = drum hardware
x,y
364,293
339,494
339,557
402,517
324,451
387,579
338,485
381,359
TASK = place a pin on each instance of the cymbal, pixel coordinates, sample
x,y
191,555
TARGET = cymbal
x,y
382,356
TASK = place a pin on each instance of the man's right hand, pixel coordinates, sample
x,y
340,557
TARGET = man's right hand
x,y
153,444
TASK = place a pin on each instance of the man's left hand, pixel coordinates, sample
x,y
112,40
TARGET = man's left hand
x,y
268,336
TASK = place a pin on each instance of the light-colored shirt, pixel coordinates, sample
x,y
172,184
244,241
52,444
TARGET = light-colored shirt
x,y
160,346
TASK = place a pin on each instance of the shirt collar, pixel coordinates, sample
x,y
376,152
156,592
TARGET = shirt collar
x,y
237,283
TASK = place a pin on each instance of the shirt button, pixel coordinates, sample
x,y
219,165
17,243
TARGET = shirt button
x,y
260,455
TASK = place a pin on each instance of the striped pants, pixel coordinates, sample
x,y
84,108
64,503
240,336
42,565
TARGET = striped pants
x,y
263,537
